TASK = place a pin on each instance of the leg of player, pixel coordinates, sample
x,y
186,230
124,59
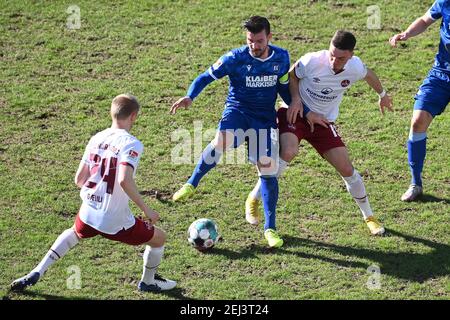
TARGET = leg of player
x,y
208,160
154,250
288,150
66,241
339,159
416,143
269,195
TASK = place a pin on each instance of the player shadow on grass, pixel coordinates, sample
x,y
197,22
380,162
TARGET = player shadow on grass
x,y
405,265
37,295
430,198
177,293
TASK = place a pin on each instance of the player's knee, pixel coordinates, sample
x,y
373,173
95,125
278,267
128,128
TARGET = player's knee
x,y
158,239
287,154
223,141
417,125
420,122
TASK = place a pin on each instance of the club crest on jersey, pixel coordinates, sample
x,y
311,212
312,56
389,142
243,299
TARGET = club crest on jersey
x,y
327,90
276,68
316,80
216,65
345,83
133,154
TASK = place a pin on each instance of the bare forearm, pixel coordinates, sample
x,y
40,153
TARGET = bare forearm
x,y
373,81
130,188
418,26
293,86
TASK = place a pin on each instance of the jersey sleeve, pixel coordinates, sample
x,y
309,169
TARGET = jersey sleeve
x,y
131,153
360,68
435,12
87,152
300,66
284,78
223,66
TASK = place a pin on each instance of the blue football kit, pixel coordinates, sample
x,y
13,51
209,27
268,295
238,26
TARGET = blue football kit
x,y
249,113
434,93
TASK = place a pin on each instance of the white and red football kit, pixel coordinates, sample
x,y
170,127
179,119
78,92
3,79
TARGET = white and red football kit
x,y
105,209
321,90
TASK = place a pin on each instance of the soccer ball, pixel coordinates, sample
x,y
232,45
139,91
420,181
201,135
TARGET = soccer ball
x,y
203,234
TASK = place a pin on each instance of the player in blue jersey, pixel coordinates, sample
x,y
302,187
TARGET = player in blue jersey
x,y
257,72
433,95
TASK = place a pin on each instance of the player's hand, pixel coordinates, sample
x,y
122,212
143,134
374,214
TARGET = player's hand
x,y
316,118
184,102
295,108
385,102
398,37
152,216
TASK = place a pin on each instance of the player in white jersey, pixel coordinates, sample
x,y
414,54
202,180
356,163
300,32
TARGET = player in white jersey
x,y
318,80
106,178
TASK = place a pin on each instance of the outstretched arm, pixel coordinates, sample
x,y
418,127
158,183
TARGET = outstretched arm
x,y
385,100
128,185
417,27
194,90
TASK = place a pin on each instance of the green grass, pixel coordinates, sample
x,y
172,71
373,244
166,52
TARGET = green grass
x,y
56,86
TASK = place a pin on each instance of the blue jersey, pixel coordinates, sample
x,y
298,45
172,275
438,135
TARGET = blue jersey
x,y
441,9
254,82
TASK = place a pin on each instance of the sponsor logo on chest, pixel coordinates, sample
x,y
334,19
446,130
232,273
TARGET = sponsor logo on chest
x,y
261,81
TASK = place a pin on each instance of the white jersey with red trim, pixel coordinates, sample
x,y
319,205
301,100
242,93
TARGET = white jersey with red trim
x,y
105,204
320,88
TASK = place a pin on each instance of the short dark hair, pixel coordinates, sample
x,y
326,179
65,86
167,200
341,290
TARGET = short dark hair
x,y
256,24
344,40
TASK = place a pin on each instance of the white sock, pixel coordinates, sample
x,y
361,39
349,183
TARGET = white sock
x,y
152,258
355,186
66,241
256,192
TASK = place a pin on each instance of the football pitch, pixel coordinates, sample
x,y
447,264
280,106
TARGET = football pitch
x,y
58,75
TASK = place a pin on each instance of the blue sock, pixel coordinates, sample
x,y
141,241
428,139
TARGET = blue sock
x,y
417,148
207,161
269,194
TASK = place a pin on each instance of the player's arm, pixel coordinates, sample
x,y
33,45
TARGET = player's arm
x,y
126,181
296,105
417,27
385,100
194,90
82,174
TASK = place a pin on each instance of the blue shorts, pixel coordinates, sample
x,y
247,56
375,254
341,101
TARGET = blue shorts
x,y
434,93
261,135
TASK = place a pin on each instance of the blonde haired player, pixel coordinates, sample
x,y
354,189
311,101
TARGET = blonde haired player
x,y
106,178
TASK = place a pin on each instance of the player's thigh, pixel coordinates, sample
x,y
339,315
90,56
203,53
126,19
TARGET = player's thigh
x,y
267,151
431,99
158,239
340,160
231,129
289,145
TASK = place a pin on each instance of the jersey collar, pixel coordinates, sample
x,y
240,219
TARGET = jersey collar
x,y
259,59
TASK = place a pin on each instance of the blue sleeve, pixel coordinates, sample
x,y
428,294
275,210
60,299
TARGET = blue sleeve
x,y
199,84
283,81
223,66
283,91
436,9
